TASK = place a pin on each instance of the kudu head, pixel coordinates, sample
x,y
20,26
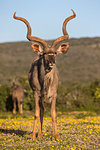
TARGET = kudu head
x,y
42,48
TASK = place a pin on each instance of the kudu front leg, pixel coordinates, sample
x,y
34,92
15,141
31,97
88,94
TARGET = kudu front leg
x,y
54,119
41,117
14,106
37,114
20,107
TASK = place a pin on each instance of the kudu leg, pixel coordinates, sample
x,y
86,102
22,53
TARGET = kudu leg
x,y
41,118
37,114
54,119
20,106
14,106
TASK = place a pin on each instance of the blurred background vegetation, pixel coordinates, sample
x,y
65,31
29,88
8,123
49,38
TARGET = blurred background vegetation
x,y
79,75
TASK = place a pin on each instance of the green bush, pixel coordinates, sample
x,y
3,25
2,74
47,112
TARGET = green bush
x,y
76,96
6,103
5,98
97,93
28,101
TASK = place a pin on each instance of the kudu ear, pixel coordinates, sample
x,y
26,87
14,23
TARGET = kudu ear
x,y
37,48
63,48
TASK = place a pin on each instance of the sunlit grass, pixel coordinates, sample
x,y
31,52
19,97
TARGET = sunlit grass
x,y
74,132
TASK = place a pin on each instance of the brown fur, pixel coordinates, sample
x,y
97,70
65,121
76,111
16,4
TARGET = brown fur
x,y
17,96
44,84
43,75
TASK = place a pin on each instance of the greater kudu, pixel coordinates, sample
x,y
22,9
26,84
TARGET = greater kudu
x,y
43,75
17,96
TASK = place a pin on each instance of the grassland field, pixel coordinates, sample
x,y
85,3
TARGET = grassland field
x,y
79,81
77,131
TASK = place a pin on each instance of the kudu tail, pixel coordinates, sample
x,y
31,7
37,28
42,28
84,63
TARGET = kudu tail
x,y
41,112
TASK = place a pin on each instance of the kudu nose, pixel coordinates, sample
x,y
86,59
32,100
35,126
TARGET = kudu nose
x,y
51,64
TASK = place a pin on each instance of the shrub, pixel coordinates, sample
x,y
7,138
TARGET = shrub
x,y
6,103
5,98
28,101
97,93
76,96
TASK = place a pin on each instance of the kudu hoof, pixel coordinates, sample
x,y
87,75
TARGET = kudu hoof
x,y
14,112
39,135
56,137
33,138
21,113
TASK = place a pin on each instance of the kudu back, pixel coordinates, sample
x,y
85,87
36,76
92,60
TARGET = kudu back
x,y
43,75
